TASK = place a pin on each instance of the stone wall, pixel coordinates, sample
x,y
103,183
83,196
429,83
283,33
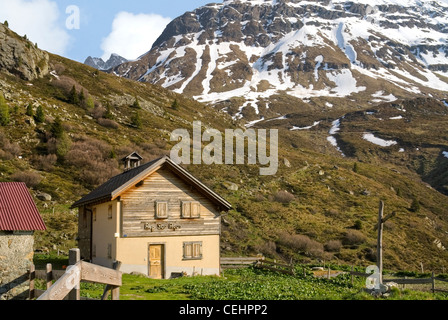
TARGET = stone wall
x,y
16,256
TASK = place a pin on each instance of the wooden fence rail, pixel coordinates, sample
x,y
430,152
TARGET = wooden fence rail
x,y
275,266
68,282
238,262
258,262
405,281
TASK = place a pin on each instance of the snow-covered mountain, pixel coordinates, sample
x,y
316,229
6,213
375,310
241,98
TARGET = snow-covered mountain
x,y
258,59
98,63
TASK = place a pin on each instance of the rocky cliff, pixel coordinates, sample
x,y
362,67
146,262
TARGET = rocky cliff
x,y
20,57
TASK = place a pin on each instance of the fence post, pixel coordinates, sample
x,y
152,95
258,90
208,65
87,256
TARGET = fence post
x,y
114,290
73,258
32,278
49,274
353,269
433,282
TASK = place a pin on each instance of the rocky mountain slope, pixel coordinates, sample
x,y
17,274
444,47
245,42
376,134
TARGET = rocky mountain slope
x,y
100,64
241,55
320,204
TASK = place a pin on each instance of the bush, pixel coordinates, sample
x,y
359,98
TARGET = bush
x,y
301,243
415,206
110,124
31,179
93,160
354,237
4,111
333,246
283,197
45,162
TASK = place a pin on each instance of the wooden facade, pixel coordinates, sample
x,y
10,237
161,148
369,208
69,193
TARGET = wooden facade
x,y
156,219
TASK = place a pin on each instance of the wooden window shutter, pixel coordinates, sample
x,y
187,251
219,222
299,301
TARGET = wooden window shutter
x,y
188,251
195,210
186,210
191,210
197,250
161,210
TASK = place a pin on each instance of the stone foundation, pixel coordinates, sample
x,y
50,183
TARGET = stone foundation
x,y
16,257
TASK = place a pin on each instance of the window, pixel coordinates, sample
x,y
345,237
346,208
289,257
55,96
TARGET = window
x,y
109,251
161,210
191,210
109,212
192,250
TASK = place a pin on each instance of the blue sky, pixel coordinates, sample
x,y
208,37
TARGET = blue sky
x,y
126,27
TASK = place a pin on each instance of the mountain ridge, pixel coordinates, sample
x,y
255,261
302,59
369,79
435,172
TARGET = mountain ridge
x,y
310,51
98,63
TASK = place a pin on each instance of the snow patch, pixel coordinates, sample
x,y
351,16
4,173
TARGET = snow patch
x,y
378,141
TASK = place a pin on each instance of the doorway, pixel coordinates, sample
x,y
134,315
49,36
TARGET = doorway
x,y
156,261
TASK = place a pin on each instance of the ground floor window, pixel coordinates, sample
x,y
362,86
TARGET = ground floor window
x,y
192,250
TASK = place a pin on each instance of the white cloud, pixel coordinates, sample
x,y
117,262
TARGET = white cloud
x,y
38,19
133,34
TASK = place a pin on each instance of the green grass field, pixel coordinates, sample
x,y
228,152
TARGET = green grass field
x,y
246,284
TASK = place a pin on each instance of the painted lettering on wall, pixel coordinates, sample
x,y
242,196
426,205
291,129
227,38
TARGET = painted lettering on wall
x,y
161,227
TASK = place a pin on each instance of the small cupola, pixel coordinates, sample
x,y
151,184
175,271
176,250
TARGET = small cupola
x,y
132,161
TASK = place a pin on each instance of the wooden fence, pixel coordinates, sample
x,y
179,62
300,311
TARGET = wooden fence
x,y
258,262
67,285
404,281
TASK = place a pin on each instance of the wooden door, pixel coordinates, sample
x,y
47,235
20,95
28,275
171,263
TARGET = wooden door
x,y
156,261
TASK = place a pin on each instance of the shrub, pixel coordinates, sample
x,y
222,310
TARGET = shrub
x,y
283,197
44,162
92,158
31,179
333,246
4,111
40,115
110,124
353,237
415,206
301,243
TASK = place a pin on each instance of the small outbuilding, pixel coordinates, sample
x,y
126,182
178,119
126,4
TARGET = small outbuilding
x,y
156,219
19,219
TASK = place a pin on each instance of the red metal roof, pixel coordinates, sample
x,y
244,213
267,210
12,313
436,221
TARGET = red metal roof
x,y
18,212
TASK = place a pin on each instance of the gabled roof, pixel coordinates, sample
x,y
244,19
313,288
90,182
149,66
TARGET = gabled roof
x,y
18,212
133,155
116,186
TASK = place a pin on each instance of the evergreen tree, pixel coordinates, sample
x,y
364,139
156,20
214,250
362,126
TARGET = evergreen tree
x,y
136,104
40,115
57,129
6,23
73,96
136,120
82,97
109,114
175,105
29,111
415,206
4,111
